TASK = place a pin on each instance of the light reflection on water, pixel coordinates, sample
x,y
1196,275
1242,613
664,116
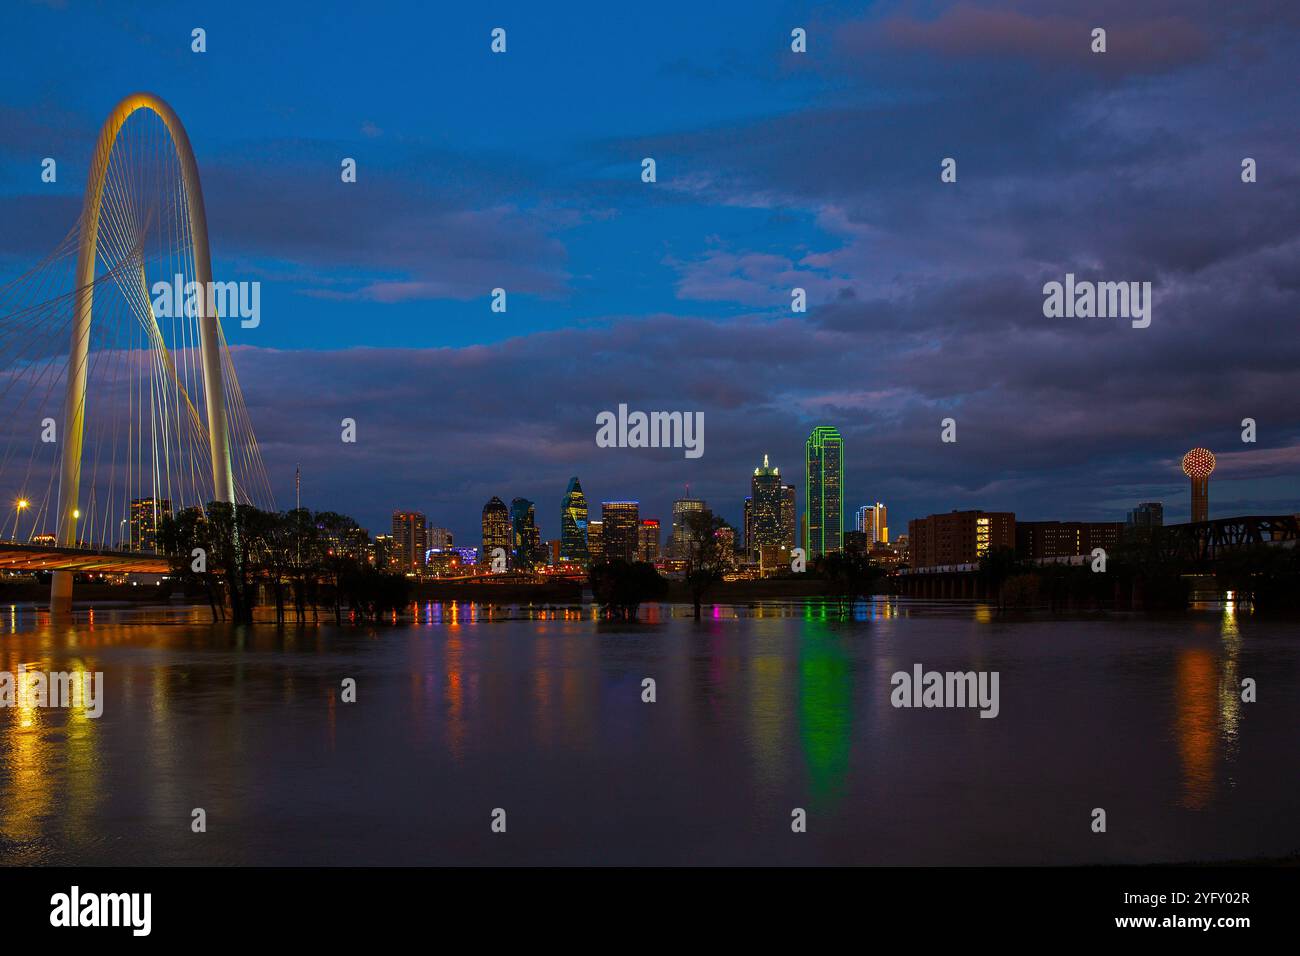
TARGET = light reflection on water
x,y
759,709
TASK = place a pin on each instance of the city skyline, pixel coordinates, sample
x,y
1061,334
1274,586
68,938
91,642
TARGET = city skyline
x,y
381,310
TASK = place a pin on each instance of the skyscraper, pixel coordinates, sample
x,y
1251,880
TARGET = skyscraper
x,y
146,516
824,503
595,541
573,525
789,517
872,520
1149,514
409,539
384,553
682,507
621,522
1144,519
648,545
765,508
525,539
496,529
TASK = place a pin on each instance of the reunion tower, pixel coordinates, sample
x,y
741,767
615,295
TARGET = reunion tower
x,y
1197,465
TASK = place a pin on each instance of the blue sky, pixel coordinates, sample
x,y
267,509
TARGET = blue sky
x,y
775,170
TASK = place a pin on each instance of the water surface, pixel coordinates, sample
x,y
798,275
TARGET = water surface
x,y
759,710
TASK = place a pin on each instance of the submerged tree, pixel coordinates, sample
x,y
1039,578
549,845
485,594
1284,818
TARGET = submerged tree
x,y
621,587
706,556
231,551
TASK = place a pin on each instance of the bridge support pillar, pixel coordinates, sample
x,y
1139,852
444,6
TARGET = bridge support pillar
x,y
61,593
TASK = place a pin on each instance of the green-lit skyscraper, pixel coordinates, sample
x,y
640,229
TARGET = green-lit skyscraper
x,y
824,499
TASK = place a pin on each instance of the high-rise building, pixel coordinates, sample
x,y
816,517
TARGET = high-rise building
x,y
621,521
525,538
747,524
1066,539
648,545
437,538
573,525
824,504
789,517
765,509
409,539
960,537
1149,514
682,508
1198,465
1143,520
595,541
146,516
726,539
872,520
384,551
496,529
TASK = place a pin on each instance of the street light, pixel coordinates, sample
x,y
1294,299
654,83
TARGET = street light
x,y
19,507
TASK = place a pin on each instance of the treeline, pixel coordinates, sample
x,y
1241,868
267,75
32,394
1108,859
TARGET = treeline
x,y
621,587
304,559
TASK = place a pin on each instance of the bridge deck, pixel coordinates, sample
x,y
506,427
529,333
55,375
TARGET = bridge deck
x,y
35,557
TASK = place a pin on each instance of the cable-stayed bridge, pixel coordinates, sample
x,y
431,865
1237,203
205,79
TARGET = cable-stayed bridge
x,y
119,401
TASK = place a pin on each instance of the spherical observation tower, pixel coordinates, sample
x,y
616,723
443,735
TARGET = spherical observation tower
x,y
1198,464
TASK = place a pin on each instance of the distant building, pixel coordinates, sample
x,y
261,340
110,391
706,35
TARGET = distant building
x,y
648,544
857,542
385,551
496,529
747,524
409,539
525,538
726,539
959,537
1066,539
621,522
683,507
146,516
766,494
824,504
595,541
573,524
437,538
1143,519
789,517
872,520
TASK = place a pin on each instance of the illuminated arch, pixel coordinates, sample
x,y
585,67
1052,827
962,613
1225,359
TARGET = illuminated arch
x,y
209,325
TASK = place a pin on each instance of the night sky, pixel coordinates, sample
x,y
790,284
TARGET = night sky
x,y
775,170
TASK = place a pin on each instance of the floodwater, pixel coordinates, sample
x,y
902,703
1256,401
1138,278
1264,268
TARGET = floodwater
x,y
535,719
